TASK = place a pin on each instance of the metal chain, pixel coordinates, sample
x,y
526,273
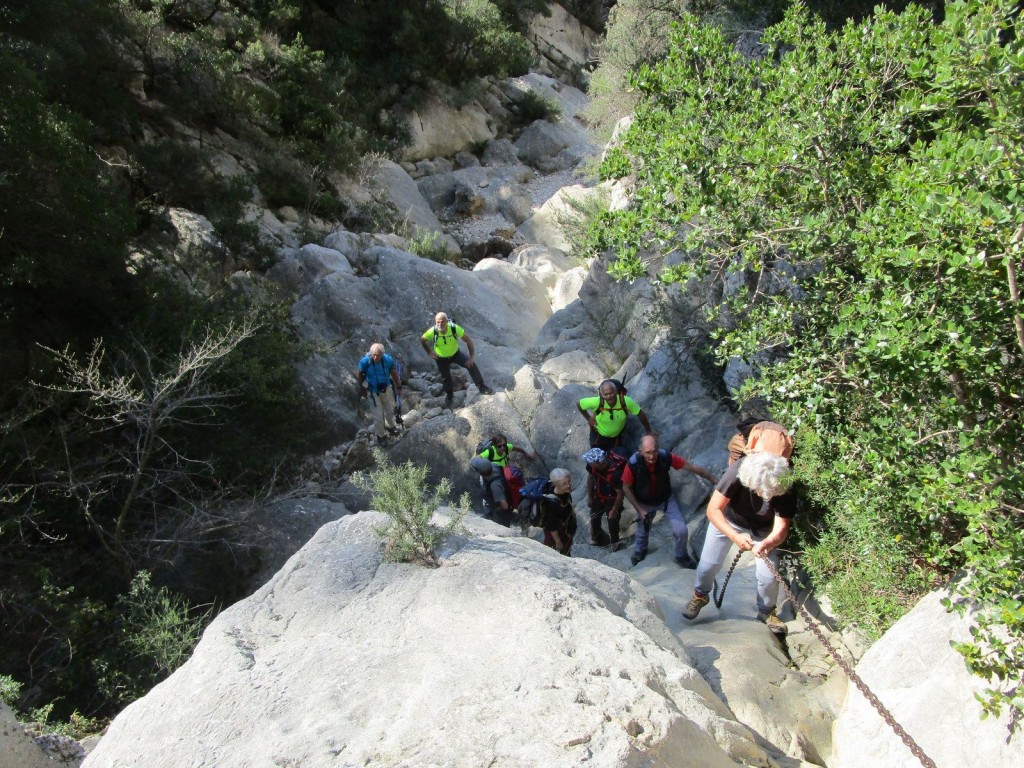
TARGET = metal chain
x,y
714,589
853,676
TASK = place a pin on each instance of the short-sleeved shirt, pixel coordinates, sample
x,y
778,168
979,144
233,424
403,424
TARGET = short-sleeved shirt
x,y
376,375
749,510
445,344
610,421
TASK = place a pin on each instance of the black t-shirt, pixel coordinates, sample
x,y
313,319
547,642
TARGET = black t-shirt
x,y
749,510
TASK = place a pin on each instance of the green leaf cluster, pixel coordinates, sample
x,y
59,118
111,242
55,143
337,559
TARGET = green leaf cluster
x,y
403,494
864,185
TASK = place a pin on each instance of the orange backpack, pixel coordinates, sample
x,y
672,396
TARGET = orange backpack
x,y
770,437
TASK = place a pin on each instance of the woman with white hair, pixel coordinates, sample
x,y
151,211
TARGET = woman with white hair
x,y
751,508
558,516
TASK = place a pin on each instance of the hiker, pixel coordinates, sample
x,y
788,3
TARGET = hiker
x,y
751,508
611,409
604,493
558,516
378,380
496,503
441,341
646,483
499,450
737,446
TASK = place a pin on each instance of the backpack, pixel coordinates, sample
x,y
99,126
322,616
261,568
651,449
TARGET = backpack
x,y
451,329
514,482
620,389
770,437
532,493
401,369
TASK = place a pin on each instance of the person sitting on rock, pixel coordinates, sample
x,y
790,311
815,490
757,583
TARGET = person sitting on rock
x,y
500,450
751,508
646,483
378,380
558,516
604,493
441,341
607,414
495,494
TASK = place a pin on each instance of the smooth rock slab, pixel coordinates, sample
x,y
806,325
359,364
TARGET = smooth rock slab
x,y
507,655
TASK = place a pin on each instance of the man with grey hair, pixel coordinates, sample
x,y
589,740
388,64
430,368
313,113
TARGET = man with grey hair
x,y
646,483
751,508
378,380
441,341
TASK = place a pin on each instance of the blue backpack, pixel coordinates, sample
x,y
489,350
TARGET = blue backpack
x,y
532,493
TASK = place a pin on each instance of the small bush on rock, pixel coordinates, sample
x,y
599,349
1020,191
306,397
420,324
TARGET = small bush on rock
x,y
403,495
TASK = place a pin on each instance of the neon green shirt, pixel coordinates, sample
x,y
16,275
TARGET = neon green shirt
x,y
611,421
491,454
445,344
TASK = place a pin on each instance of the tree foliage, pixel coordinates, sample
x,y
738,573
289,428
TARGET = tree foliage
x,y
864,186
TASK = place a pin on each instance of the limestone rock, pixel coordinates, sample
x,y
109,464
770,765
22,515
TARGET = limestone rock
x,y
439,128
506,655
414,210
17,749
924,683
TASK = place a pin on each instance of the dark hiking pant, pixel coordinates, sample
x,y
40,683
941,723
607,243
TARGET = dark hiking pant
x,y
444,365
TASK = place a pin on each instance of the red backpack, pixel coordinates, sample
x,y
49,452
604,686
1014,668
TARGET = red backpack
x,y
514,482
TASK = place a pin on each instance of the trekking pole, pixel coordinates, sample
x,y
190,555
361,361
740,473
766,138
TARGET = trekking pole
x,y
854,678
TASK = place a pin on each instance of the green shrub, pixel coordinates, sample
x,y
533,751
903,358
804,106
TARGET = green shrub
x,y
877,169
157,632
402,493
10,690
429,245
531,106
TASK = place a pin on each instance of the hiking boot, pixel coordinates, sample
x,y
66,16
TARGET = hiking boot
x,y
772,620
686,562
637,557
697,602
486,391
448,400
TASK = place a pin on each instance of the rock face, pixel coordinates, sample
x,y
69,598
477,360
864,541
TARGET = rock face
x,y
923,682
506,655
18,750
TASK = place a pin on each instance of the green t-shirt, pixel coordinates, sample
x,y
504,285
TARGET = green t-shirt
x,y
445,344
611,421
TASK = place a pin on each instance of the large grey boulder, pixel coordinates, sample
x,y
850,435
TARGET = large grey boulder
x,y
924,683
549,224
19,750
413,209
438,128
543,145
565,44
392,297
506,655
